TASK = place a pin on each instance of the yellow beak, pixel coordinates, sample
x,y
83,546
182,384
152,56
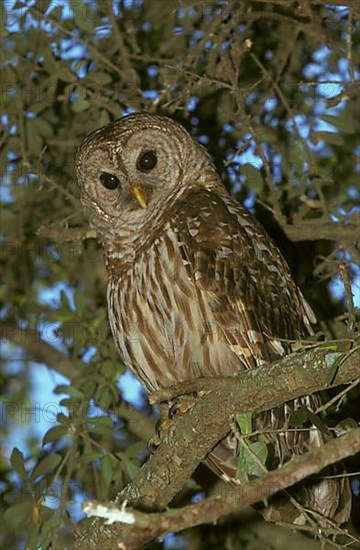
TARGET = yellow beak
x,y
140,196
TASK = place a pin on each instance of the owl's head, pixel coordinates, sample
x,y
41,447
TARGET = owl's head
x,y
133,167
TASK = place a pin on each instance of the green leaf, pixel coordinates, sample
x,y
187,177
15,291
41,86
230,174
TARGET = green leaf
x,y
344,122
316,421
38,107
134,449
18,464
104,118
88,387
244,421
100,77
80,104
79,301
333,360
32,537
298,418
131,468
54,434
45,466
63,419
259,449
3,17
63,73
91,457
18,516
106,396
69,390
248,466
42,127
56,12
83,16
33,139
108,369
268,135
101,425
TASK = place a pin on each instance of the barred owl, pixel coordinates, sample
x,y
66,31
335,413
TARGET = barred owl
x,y
196,288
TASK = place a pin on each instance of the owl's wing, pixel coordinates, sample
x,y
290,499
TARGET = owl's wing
x,y
242,276
253,300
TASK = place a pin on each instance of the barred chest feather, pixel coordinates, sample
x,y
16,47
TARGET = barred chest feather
x,y
162,325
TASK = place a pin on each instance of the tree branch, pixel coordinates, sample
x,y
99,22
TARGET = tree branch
x,y
65,234
147,526
196,433
326,367
312,231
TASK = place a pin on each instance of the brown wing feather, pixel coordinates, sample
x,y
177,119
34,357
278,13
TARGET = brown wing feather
x,y
246,280
252,297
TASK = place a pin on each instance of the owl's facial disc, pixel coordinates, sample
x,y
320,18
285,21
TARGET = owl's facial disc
x,y
130,168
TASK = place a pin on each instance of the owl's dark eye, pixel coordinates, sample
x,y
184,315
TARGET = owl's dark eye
x,y
109,181
146,161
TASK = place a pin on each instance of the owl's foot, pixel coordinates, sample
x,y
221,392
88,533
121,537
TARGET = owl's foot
x,y
169,416
181,405
161,428
197,387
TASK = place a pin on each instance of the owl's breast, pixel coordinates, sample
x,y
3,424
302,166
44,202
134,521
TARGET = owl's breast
x,y
160,321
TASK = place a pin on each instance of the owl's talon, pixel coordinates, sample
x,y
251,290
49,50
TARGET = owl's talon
x,y
179,407
153,443
173,410
182,405
162,426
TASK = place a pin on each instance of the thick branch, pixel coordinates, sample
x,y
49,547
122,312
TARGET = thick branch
x,y
147,526
208,421
66,234
310,371
308,231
